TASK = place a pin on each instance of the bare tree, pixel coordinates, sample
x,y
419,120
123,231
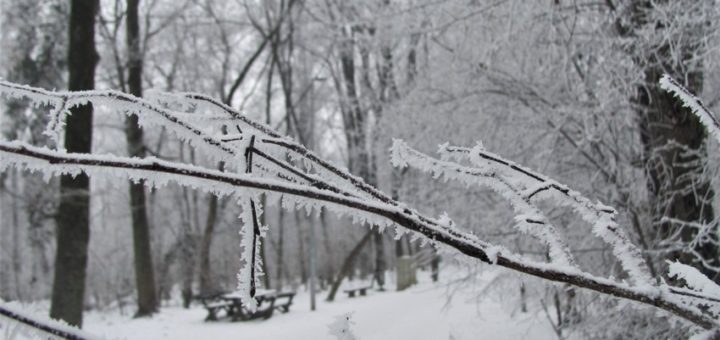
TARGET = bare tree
x,y
68,292
144,270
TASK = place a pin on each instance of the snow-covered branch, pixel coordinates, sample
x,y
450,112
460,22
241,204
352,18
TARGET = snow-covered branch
x,y
319,184
694,103
529,218
43,326
536,186
149,115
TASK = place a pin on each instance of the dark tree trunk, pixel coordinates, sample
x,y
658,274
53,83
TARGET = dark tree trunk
x,y
188,253
675,155
380,261
280,250
206,283
73,217
144,270
302,254
329,254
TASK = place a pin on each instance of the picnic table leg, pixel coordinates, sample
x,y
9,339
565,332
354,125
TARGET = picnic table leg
x,y
211,315
238,313
362,292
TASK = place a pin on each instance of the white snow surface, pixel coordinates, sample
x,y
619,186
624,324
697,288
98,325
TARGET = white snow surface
x,y
420,312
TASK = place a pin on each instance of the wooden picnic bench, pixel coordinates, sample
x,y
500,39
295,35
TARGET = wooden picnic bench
x,y
214,304
264,310
361,289
214,308
285,306
233,308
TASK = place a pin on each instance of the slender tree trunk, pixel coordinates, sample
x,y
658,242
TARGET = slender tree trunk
x,y
188,249
144,270
312,264
16,262
380,261
280,252
348,265
329,254
73,219
302,256
206,283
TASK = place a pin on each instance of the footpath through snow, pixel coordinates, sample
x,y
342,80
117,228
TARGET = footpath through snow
x,y
418,313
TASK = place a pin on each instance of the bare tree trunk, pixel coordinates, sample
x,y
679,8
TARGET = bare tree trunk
x,y
16,263
144,270
435,266
280,246
187,252
380,261
313,264
73,219
302,256
206,282
329,254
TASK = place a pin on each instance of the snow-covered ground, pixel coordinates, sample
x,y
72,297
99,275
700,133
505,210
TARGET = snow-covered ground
x,y
418,313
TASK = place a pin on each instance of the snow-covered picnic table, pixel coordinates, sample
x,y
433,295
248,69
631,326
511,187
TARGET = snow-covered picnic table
x,y
231,303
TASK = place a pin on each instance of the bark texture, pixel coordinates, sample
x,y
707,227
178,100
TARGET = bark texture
x,y
144,272
73,219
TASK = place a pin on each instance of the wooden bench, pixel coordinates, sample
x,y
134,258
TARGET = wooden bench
x,y
284,306
362,290
264,310
214,304
214,307
231,304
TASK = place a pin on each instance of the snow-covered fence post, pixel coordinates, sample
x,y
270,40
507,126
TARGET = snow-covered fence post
x,y
320,184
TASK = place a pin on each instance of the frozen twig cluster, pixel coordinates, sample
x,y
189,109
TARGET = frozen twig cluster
x,y
261,161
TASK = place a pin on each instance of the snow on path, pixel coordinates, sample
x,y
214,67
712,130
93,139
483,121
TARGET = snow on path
x,y
418,313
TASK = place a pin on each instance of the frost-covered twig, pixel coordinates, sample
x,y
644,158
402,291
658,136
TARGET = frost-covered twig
x,y
48,327
529,218
694,103
119,102
536,185
272,138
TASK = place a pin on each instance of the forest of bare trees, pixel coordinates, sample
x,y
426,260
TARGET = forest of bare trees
x,y
158,153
